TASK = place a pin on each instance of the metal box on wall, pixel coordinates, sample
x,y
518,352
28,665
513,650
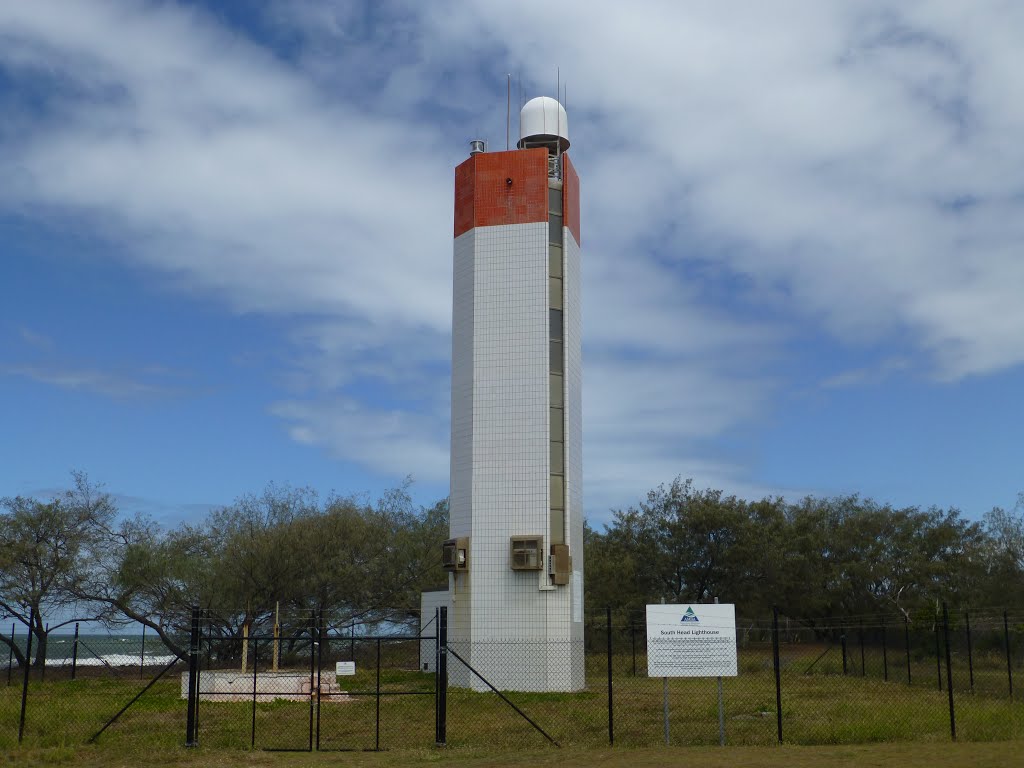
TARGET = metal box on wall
x,y
526,553
455,554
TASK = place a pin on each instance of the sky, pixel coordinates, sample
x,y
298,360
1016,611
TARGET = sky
x,y
226,243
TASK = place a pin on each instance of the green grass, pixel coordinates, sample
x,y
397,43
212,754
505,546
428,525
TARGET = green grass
x,y
823,707
918,755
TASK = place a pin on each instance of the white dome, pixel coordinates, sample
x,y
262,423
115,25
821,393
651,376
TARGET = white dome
x,y
543,117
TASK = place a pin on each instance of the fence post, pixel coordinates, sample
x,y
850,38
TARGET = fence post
x,y
209,638
191,735
255,664
632,641
970,650
1009,657
28,665
377,739
10,656
906,638
611,708
74,653
204,618
778,672
949,671
863,669
314,649
441,735
437,647
142,656
885,652
41,653
314,645
721,708
319,671
938,656
842,641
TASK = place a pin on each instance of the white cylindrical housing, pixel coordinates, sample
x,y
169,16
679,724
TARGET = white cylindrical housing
x,y
543,120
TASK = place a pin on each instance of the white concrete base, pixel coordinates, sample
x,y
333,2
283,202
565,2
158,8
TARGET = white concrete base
x,y
234,685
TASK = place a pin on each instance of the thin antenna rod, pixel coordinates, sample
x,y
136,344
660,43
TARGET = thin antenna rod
x,y
558,112
565,100
520,78
508,109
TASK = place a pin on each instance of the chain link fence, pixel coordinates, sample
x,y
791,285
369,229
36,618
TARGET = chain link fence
x,y
838,680
346,685
76,685
322,685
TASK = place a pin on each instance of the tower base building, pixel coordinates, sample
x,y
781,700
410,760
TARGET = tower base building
x,y
516,550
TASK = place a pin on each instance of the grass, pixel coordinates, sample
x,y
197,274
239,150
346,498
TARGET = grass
x,y
975,755
820,708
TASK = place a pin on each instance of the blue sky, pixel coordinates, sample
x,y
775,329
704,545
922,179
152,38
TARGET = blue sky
x,y
225,239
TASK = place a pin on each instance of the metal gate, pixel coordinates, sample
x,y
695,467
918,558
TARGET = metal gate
x,y
327,689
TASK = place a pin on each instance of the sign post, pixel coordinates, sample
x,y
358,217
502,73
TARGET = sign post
x,y
664,697
721,708
692,641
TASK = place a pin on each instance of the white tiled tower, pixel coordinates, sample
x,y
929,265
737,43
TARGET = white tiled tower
x,y
516,463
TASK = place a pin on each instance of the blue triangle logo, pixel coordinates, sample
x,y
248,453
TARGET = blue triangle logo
x,y
689,615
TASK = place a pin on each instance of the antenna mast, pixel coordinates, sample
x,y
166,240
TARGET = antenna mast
x,y
558,118
520,78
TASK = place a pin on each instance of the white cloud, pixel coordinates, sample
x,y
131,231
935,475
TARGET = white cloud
x,y
388,441
39,341
200,154
120,386
826,142
747,169
228,168
857,377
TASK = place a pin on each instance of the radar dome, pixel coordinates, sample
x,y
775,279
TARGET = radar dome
x,y
543,122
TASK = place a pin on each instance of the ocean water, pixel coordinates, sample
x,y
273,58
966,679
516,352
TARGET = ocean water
x,y
99,650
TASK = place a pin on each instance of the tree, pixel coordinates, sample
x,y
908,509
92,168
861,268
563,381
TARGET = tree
x,y
368,563
612,579
856,557
43,546
821,559
682,544
1003,553
284,546
139,573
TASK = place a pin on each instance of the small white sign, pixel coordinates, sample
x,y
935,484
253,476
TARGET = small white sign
x,y
691,640
577,596
345,668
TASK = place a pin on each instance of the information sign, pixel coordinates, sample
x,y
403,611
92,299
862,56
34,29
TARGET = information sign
x,y
691,640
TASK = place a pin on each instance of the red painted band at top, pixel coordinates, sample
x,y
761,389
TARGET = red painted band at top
x,y
493,188
571,198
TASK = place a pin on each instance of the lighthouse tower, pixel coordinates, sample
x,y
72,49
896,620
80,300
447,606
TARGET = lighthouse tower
x,y
515,555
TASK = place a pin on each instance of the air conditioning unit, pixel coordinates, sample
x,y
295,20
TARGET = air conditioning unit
x,y
526,553
455,554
